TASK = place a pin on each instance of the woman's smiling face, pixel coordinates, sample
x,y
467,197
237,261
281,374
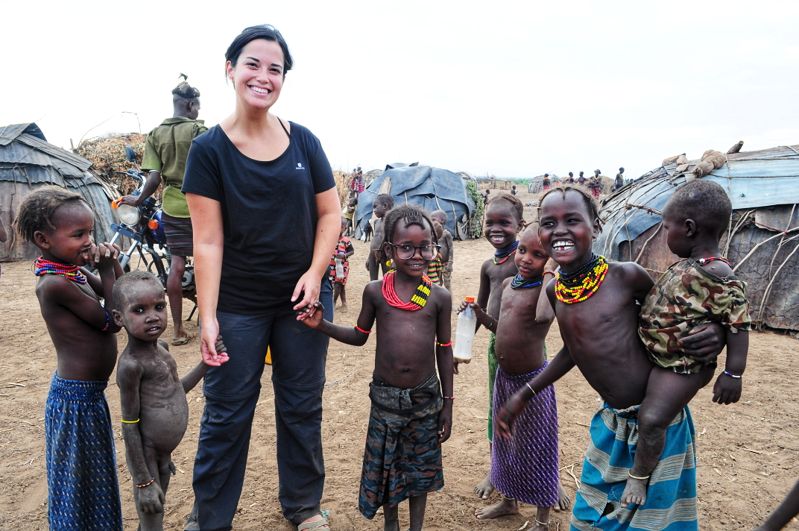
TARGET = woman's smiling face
x,y
258,74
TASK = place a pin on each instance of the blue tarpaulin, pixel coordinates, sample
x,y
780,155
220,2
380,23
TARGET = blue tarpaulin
x,y
424,186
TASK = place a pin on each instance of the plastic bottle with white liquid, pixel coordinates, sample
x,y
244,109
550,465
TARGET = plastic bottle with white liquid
x,y
464,333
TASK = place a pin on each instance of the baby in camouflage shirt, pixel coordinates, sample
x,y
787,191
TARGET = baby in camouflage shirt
x,y
701,288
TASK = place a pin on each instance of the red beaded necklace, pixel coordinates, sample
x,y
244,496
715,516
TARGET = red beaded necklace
x,y
42,266
418,299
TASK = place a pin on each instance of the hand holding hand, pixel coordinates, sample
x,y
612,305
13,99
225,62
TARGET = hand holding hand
x,y
209,338
306,292
312,315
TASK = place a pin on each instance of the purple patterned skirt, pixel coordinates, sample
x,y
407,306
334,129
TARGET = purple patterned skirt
x,y
525,467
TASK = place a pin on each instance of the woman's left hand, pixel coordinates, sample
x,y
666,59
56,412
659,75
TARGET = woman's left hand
x,y
308,287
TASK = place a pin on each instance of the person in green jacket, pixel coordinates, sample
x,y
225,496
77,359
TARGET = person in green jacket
x,y
165,153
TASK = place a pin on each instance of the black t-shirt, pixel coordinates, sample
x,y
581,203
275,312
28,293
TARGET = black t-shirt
x,y
268,212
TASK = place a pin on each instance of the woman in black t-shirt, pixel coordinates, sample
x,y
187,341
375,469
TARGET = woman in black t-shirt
x,y
266,219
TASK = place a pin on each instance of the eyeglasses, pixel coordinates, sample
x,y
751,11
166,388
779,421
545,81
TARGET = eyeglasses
x,y
406,251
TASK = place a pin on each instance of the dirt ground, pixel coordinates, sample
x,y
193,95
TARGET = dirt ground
x,y
748,453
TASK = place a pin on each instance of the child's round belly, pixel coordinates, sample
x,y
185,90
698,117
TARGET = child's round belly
x,y
162,427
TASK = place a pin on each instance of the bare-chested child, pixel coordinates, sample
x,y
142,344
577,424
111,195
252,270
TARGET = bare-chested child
x,y
698,289
411,413
524,468
376,261
152,398
504,218
596,304
83,492
446,248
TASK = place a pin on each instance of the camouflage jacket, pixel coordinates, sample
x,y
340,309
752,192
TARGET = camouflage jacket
x,y
683,297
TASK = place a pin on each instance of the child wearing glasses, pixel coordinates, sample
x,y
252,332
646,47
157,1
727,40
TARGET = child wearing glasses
x,y
411,414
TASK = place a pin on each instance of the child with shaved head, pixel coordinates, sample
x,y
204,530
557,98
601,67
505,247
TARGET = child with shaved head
x,y
153,400
698,289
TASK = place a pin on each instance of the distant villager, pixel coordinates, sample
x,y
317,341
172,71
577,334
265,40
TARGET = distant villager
x,y
736,148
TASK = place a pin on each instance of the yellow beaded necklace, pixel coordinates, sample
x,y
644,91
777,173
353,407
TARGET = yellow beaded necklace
x,y
579,286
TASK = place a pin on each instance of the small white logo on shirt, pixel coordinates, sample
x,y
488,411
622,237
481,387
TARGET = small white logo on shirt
x,y
299,166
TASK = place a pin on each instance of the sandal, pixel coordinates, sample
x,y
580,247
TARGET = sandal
x,y
181,340
317,522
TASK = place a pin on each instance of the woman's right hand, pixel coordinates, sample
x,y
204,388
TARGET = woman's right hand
x,y
208,338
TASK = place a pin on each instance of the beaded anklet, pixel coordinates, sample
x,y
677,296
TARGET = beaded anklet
x,y
581,285
42,266
418,299
639,478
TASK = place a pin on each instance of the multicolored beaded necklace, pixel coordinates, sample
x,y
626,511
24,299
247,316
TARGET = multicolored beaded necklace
x,y
582,284
418,299
502,255
42,266
519,282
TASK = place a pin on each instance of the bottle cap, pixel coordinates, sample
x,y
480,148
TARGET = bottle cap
x,y
468,299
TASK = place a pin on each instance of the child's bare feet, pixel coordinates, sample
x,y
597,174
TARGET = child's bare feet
x,y
484,489
634,491
504,507
564,501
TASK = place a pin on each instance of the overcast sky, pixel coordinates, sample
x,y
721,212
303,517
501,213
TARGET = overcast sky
x,y
511,89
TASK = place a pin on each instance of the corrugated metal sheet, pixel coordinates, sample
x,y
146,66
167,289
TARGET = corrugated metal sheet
x,y
764,191
752,180
8,133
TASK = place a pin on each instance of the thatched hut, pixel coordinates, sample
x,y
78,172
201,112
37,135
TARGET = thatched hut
x,y
762,239
27,162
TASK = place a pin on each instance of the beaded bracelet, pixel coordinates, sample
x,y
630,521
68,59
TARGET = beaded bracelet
x,y
145,484
447,344
130,421
449,397
733,376
361,330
